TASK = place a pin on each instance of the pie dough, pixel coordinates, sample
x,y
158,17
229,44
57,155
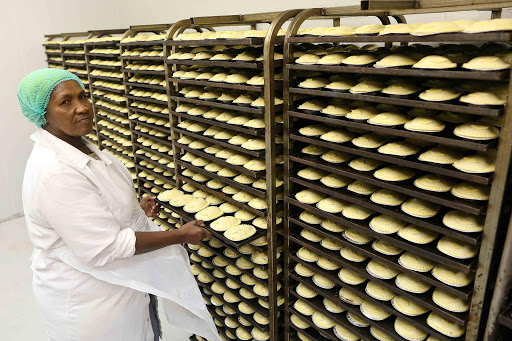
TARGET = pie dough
x,y
397,29
486,63
399,148
407,307
366,87
334,156
332,59
337,136
331,205
255,165
395,60
386,248
309,196
240,232
435,63
456,249
475,164
307,255
359,60
425,125
310,218
332,307
474,131
195,205
314,83
331,226
389,119
349,297
350,277
380,335
326,264
379,270
330,244
445,327
471,191
310,235
368,29
244,215
373,311
394,173
323,282
449,302
364,164
406,282
181,200
378,292
303,270
311,173
435,183
356,321
408,331
357,212
490,26
351,255
305,292
357,238
451,277
436,28
334,181
420,208
314,150
386,224
303,307
344,334
439,95
440,155
369,141
308,59
403,88
417,235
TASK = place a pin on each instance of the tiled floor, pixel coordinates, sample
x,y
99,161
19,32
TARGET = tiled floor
x,y
20,318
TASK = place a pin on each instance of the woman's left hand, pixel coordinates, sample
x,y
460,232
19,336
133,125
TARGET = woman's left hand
x,y
150,206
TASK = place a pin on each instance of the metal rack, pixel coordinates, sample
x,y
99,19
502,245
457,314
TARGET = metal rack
x,y
142,48
52,50
269,91
106,89
295,160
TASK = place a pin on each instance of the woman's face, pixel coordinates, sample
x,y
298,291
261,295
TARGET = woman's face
x,y
69,111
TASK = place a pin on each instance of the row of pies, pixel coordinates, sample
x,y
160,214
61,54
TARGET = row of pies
x,y
428,182
157,181
53,66
248,55
144,53
48,51
104,73
157,158
105,62
467,93
117,147
147,80
112,39
478,163
225,116
116,128
110,85
418,208
114,117
121,141
227,97
423,120
162,122
160,96
225,35
121,109
74,51
152,132
229,136
440,27
143,37
369,307
113,97
416,60
145,66
105,51
150,107
56,59
228,76
125,157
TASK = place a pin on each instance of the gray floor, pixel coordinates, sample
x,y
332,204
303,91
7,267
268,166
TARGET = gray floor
x,y
20,318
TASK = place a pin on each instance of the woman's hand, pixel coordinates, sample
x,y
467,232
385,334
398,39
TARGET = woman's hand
x,y
194,232
150,206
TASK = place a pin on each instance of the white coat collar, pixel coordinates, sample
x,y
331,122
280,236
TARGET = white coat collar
x,y
66,151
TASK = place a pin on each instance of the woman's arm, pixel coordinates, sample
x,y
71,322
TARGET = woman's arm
x,y
192,232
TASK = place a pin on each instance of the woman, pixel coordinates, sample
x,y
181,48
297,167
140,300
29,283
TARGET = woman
x,y
94,259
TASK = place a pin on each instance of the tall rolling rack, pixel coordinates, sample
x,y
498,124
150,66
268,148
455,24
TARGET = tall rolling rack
x,y
107,94
146,96
246,272
301,230
73,55
52,50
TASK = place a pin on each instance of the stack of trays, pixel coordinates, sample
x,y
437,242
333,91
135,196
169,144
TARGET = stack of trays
x,y
73,54
389,182
218,121
146,97
53,52
104,69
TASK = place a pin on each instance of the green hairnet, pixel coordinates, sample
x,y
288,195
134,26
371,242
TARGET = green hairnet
x,y
35,90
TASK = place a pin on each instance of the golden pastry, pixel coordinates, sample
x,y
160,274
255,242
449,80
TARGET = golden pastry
x,y
435,63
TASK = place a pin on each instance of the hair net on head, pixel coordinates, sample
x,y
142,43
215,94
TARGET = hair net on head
x,y
35,90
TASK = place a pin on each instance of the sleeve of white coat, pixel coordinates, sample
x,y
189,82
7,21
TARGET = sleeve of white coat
x,y
72,206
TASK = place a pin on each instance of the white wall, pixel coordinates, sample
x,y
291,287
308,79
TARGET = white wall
x,y
23,24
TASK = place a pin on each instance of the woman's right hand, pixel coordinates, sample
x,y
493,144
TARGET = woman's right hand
x,y
194,232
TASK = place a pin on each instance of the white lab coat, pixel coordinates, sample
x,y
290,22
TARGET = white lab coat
x,y
82,215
